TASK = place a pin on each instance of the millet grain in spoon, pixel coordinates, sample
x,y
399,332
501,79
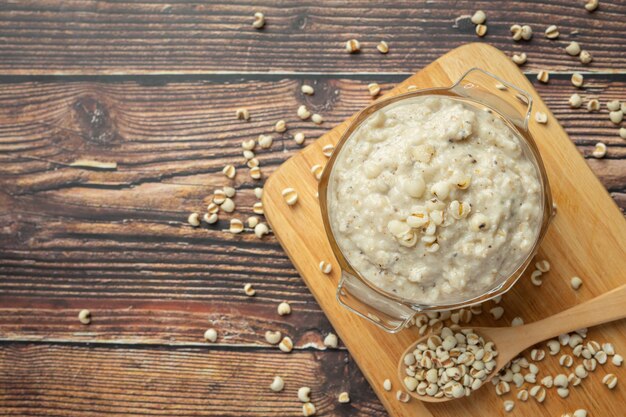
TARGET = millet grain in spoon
x,y
451,364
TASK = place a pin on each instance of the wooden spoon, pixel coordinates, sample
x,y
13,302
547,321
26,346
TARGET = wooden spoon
x,y
510,341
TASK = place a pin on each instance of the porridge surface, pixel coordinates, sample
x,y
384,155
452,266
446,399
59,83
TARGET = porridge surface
x,y
433,199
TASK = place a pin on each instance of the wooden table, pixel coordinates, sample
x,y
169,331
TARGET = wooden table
x,y
154,87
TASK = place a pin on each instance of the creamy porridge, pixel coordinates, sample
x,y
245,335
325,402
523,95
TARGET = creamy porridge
x,y
433,199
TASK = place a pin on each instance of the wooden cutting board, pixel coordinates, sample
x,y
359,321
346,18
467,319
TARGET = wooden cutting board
x,y
587,238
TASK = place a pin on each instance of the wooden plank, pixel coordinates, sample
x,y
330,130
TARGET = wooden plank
x,y
117,241
66,380
160,133
75,37
239,321
592,249
620,199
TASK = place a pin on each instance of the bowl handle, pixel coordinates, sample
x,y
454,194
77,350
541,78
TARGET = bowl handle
x,y
357,297
511,101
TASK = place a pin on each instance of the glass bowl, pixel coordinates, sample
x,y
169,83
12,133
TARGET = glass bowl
x,y
479,88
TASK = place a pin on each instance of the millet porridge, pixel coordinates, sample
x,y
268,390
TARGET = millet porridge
x,y
433,199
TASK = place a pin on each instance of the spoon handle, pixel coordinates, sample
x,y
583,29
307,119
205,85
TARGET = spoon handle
x,y
604,308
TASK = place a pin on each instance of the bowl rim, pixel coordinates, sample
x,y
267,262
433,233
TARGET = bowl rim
x,y
523,132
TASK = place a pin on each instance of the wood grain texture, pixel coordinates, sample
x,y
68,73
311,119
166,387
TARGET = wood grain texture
x,y
84,79
173,323
74,37
592,249
117,242
65,380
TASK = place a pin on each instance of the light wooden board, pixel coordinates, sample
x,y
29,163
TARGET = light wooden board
x,y
587,238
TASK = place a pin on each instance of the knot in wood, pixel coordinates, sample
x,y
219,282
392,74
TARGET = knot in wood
x,y
94,121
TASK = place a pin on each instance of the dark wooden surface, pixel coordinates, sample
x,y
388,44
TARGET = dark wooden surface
x,y
154,87
94,37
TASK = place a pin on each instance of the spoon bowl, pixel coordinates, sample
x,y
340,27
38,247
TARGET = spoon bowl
x,y
510,341
484,332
